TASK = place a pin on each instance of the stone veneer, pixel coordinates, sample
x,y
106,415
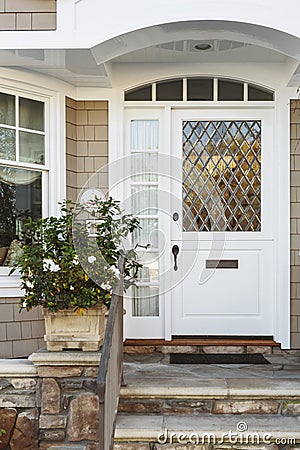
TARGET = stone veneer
x,y
87,144
23,15
19,414
51,401
68,400
295,223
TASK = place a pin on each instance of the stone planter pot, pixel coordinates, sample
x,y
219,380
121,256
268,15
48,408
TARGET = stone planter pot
x,y
69,330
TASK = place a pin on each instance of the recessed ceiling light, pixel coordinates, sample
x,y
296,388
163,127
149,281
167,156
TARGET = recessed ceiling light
x,y
203,47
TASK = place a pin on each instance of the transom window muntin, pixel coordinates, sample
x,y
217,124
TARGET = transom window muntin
x,y
199,89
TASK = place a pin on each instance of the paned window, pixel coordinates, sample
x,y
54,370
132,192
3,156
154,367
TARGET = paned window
x,y
22,167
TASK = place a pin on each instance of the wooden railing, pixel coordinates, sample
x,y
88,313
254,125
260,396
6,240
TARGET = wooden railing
x,y
111,368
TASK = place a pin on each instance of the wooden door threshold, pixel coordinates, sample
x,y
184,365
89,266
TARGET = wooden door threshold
x,y
202,341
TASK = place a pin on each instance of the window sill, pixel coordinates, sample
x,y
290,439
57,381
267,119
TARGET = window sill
x,y
9,285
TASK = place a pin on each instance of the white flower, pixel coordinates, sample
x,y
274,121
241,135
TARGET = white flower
x,y
49,264
24,304
75,260
72,288
29,284
106,286
91,259
115,271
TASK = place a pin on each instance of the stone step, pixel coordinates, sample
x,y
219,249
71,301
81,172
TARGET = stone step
x,y
192,429
148,346
215,396
203,388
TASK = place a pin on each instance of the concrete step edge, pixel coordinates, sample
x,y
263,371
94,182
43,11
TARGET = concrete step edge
x,y
137,428
210,392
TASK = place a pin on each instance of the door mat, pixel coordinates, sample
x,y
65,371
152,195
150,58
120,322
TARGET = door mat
x,y
217,358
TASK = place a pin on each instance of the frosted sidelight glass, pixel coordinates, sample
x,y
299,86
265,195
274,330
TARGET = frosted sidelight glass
x,y
145,301
144,134
144,166
144,200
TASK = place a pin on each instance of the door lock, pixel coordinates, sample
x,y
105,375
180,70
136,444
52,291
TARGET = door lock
x,y
175,216
175,251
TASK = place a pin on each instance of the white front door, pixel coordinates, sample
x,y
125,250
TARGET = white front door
x,y
222,220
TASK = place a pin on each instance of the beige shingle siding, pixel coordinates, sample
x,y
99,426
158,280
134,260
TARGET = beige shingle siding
x,y
27,15
295,223
87,143
20,333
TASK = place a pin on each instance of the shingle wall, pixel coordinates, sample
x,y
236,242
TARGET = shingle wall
x,y
21,333
295,223
17,15
87,144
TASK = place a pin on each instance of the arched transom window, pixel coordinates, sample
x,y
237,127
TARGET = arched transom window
x,y
199,89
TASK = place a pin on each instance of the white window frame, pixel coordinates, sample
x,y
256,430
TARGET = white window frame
x,y
53,171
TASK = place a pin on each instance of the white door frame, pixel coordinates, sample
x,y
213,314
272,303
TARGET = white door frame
x,y
282,160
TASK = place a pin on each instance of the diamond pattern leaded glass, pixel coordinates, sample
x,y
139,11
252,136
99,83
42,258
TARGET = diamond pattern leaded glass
x,y
222,175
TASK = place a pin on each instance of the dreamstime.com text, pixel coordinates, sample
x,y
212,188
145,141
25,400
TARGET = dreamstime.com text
x,y
232,437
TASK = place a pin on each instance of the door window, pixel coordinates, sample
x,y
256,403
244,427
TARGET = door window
x,y
221,175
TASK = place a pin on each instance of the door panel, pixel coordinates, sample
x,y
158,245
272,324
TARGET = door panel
x,y
224,301
210,299
225,183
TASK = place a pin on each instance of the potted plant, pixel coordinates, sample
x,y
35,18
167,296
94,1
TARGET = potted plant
x,y
69,266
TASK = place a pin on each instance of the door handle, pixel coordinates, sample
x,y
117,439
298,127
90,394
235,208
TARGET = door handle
x,y
175,251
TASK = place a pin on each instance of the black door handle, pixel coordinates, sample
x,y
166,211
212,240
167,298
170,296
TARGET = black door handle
x,y
175,251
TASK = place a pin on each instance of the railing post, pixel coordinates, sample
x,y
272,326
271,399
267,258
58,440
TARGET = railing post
x,y
110,375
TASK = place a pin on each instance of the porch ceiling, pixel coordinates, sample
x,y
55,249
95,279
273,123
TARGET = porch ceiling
x,y
75,66
167,43
184,51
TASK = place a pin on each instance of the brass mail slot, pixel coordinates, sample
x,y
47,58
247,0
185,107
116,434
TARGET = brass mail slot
x,y
222,264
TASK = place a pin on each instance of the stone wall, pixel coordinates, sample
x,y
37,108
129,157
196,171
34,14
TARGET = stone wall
x,y
295,223
68,400
87,144
21,333
18,15
52,401
19,415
